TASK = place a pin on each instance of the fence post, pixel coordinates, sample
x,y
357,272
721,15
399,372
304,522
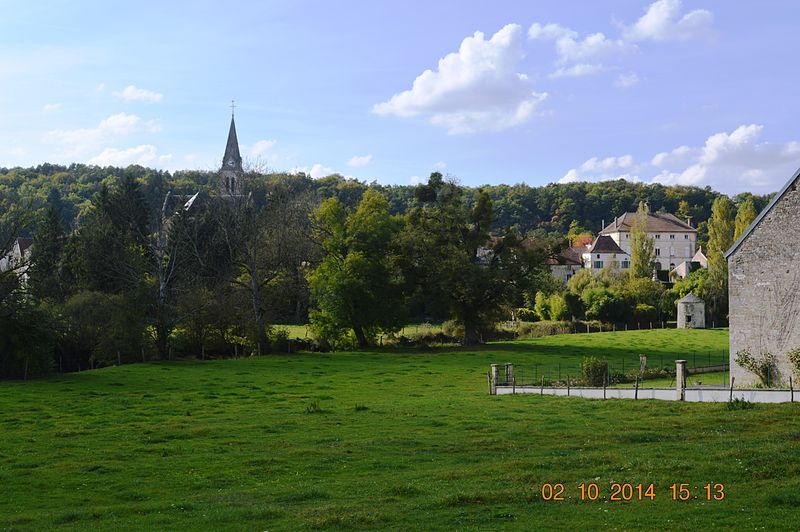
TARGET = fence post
x,y
567,385
791,390
495,376
513,385
509,372
730,397
636,391
642,363
542,390
680,380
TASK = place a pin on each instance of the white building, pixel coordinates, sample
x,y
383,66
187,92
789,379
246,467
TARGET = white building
x,y
674,240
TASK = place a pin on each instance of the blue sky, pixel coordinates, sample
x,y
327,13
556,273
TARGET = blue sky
x,y
699,92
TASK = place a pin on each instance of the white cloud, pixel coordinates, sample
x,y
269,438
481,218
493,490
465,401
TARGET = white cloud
x,y
153,126
316,171
135,94
730,162
145,155
679,155
76,142
570,177
415,180
607,164
360,160
626,81
475,89
663,22
441,165
576,71
261,147
575,56
50,107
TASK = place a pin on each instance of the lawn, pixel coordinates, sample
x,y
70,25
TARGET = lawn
x,y
395,439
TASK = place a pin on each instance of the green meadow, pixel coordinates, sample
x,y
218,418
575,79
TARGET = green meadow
x,y
395,439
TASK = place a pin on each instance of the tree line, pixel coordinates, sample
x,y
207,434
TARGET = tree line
x,y
143,270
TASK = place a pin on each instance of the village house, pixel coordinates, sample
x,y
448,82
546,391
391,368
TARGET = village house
x,y
674,247
763,281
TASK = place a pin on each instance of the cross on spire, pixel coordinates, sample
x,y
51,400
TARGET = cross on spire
x,y
233,105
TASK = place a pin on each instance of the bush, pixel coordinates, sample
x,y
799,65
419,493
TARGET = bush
x,y
794,359
543,328
594,370
279,341
542,306
558,307
763,366
740,404
526,314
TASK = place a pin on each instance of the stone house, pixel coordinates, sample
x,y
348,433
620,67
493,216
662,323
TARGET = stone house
x,y
764,285
674,239
691,312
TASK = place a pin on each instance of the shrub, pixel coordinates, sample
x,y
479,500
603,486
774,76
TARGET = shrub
x,y
740,404
526,314
763,366
543,328
542,306
279,341
594,370
558,307
794,359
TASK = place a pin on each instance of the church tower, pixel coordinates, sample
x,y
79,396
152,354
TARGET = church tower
x,y
231,172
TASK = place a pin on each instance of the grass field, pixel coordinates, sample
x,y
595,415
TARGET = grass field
x,y
401,440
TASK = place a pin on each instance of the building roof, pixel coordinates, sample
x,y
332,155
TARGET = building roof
x,y
690,298
605,244
657,222
570,256
789,184
24,243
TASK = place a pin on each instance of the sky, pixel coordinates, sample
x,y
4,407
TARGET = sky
x,y
694,92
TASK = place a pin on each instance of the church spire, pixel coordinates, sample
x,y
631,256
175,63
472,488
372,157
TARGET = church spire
x,y
231,171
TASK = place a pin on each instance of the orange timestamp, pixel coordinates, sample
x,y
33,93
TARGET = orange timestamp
x,y
619,491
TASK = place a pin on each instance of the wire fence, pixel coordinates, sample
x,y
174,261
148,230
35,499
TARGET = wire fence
x,y
703,368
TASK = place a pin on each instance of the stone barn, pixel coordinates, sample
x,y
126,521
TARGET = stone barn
x,y
764,285
691,312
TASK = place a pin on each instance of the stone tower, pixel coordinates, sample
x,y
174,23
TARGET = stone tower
x,y
231,172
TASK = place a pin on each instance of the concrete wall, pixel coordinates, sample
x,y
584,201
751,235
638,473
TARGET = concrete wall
x,y
698,313
764,289
693,395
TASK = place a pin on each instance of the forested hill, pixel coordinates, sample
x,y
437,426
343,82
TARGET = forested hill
x,y
548,210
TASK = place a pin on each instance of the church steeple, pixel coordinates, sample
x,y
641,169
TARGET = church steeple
x,y
231,171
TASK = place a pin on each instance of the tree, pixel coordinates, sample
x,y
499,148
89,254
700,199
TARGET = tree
x,y
542,306
357,285
48,248
642,246
721,228
745,215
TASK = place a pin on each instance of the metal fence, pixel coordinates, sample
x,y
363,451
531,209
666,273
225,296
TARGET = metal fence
x,y
703,368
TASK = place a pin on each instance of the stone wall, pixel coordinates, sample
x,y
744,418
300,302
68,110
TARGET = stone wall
x,y
698,313
764,289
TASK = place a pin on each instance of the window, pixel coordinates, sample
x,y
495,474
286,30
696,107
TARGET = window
x,y
598,255
672,237
598,264
658,237
626,264
688,318
658,252
672,251
671,265
686,237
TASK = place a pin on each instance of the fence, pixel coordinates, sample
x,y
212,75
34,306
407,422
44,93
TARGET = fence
x,y
709,366
502,380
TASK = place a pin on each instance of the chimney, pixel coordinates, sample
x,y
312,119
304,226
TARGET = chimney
x,y
689,221
646,206
602,224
